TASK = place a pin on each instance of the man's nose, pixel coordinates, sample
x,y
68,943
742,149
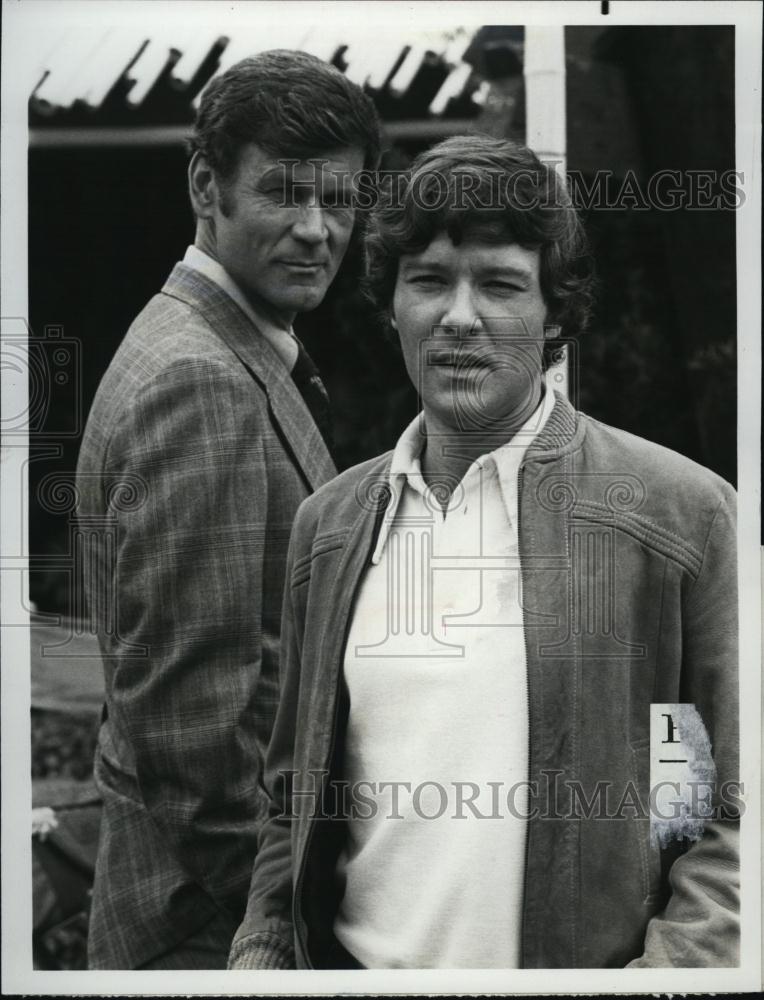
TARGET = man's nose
x,y
310,225
461,315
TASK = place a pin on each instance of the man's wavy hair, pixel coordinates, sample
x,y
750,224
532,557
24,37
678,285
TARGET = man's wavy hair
x,y
291,104
494,191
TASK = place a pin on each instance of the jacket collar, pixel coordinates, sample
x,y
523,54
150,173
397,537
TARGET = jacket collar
x,y
561,434
241,336
405,466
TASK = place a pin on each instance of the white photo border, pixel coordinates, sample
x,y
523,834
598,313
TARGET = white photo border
x,y
20,19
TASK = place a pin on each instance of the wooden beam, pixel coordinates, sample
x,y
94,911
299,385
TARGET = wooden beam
x,y
55,137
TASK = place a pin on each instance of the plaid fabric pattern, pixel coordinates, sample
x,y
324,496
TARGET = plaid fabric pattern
x,y
208,948
197,452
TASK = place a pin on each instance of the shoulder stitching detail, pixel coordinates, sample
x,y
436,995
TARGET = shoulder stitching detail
x,y
667,542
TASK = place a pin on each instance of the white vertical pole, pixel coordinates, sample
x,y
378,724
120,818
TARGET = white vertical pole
x,y
545,119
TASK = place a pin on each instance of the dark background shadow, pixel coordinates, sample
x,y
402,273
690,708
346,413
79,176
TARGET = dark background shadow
x,y
106,226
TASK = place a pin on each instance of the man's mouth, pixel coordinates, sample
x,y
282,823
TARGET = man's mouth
x,y
464,360
308,266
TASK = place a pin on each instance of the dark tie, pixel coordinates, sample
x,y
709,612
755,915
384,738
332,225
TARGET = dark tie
x,y
305,376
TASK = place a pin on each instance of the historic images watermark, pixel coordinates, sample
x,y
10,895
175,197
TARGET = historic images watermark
x,y
316,795
666,190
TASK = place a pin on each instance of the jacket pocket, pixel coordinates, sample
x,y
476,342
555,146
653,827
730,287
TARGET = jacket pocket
x,y
323,544
649,853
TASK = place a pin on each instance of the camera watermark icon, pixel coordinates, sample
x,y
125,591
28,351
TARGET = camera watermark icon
x,y
83,565
51,368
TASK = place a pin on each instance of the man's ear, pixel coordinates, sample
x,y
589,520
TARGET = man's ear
x,y
202,186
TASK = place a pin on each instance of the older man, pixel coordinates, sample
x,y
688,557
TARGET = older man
x,y
480,626
213,413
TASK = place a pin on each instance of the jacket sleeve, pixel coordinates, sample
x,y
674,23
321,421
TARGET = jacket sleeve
x,y
188,580
265,939
700,925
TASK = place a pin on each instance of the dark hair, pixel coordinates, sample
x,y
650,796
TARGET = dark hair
x,y
493,190
291,104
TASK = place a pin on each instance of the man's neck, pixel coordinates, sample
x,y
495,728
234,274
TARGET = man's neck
x,y
282,320
449,451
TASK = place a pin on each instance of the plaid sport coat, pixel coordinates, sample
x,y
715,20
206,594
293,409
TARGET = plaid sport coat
x,y
197,452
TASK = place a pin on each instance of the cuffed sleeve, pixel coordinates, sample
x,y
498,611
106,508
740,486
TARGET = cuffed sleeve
x,y
261,951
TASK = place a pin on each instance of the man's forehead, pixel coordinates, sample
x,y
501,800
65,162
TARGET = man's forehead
x,y
490,252
257,161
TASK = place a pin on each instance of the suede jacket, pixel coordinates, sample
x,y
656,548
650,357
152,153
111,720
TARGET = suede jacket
x,y
628,554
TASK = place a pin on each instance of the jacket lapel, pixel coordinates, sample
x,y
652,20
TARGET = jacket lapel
x,y
256,354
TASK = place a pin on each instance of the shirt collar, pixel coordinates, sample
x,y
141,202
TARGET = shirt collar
x,y
405,467
282,341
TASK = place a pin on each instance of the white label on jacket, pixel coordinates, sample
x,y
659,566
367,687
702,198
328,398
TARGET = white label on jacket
x,y
682,773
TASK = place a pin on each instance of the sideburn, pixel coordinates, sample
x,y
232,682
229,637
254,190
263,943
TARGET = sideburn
x,y
226,203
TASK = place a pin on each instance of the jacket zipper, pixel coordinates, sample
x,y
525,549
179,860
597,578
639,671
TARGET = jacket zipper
x,y
520,479
299,886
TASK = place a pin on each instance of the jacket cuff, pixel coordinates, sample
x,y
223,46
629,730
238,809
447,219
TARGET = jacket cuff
x,y
261,951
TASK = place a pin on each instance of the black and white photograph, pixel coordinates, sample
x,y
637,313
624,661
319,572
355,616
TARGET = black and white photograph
x,y
381,478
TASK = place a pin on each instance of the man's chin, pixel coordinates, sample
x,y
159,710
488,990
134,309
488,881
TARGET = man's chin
x,y
469,412
304,299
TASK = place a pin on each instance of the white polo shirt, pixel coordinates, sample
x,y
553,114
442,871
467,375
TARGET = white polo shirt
x,y
437,741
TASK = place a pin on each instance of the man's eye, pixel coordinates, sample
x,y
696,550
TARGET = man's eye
x,y
336,198
503,287
427,279
289,194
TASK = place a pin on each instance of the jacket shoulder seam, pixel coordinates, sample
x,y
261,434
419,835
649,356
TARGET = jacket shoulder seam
x,y
719,506
660,539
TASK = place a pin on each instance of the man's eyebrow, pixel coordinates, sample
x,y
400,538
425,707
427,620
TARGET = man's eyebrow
x,y
408,263
507,271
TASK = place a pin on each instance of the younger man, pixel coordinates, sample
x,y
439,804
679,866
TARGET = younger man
x,y
476,626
